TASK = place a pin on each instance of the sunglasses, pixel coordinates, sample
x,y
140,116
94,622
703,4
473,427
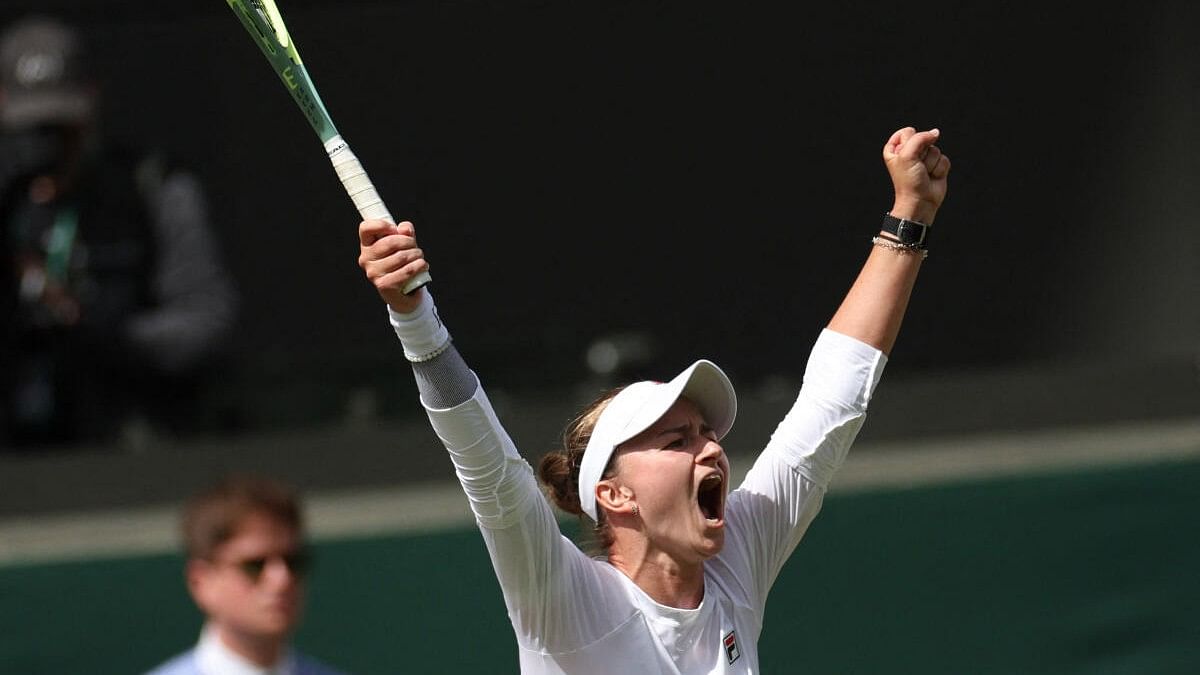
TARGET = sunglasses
x,y
297,562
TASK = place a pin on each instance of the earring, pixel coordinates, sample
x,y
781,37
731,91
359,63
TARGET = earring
x,y
636,510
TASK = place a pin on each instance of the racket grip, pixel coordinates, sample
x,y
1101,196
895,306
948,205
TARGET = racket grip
x,y
362,192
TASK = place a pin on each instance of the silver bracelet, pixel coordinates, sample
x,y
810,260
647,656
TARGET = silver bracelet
x,y
905,249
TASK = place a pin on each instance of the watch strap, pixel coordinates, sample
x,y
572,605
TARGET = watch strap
x,y
907,232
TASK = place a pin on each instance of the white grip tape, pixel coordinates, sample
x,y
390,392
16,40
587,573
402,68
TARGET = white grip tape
x,y
362,192
354,178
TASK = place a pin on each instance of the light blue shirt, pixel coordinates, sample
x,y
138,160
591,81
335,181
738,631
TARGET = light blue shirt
x,y
210,656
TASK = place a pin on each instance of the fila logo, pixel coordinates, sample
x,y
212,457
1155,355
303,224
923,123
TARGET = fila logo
x,y
731,648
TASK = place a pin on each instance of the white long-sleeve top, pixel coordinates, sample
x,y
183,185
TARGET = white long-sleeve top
x,y
575,614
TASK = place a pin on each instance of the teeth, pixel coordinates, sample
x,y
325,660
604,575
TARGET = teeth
x,y
712,478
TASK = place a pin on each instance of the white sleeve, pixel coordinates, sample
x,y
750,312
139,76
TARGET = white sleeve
x,y
782,493
558,599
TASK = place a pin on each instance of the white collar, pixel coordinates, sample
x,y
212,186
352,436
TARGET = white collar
x,y
213,656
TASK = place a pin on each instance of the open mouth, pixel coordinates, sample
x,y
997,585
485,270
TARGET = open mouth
x,y
711,497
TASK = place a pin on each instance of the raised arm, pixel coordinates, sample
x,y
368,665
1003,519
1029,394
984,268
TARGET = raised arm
x,y
874,307
783,491
539,570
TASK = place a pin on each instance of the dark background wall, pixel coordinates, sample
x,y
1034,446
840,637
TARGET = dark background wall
x,y
705,173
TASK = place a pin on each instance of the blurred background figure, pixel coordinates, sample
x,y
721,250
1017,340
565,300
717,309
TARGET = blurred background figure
x,y
114,302
245,570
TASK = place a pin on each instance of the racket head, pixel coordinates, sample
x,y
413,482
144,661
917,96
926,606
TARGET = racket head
x,y
263,21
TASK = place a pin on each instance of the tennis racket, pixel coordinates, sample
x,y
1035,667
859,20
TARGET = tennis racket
x,y
265,25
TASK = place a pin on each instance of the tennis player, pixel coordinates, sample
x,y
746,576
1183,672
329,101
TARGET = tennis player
x,y
681,581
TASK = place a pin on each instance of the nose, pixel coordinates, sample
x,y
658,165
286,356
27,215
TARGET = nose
x,y
278,574
711,454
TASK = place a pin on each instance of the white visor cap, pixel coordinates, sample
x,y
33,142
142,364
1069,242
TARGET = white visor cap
x,y
640,405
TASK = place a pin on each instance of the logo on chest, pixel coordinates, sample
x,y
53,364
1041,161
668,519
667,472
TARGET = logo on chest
x,y
731,648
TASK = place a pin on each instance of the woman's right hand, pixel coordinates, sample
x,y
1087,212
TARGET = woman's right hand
x,y
389,256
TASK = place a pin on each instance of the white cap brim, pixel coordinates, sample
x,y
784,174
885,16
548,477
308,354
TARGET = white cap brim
x,y
641,404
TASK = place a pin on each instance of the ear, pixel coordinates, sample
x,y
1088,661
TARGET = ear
x,y
197,573
611,496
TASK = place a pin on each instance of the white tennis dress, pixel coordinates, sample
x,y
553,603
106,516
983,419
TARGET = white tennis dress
x,y
575,614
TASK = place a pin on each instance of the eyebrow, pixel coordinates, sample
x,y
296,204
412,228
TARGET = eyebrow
x,y
682,429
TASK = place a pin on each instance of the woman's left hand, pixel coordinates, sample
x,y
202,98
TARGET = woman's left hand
x,y
918,170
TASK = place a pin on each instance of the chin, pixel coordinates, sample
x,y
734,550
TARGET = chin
x,y
712,545
277,624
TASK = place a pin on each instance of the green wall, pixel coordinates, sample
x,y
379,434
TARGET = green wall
x,y
1090,572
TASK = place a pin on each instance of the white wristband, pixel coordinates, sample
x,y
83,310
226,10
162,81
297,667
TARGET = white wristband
x,y
421,332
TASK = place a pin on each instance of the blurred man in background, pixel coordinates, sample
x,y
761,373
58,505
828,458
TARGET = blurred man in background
x,y
114,303
246,565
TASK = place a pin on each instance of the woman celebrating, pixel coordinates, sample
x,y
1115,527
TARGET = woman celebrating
x,y
682,580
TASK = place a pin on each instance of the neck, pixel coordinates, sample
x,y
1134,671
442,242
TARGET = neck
x,y
259,650
661,576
